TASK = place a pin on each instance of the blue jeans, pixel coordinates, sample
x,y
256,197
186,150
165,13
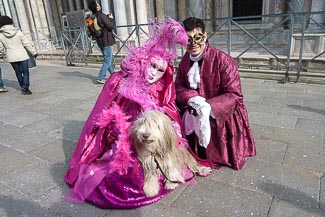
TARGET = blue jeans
x,y
22,73
1,82
107,64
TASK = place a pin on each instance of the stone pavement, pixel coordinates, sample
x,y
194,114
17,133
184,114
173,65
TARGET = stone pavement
x,y
38,133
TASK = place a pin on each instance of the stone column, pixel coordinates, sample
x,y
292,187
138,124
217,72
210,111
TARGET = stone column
x,y
30,18
141,9
56,13
2,9
64,4
182,9
130,11
71,5
319,18
296,6
120,18
22,16
209,14
13,12
197,8
85,4
105,7
221,9
48,13
170,9
151,9
6,8
36,16
160,9
79,4
141,13
279,8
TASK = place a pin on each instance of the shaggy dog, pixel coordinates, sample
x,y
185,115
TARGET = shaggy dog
x,y
156,145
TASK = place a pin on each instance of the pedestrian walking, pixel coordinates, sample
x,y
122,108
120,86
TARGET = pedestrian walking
x,y
14,43
105,39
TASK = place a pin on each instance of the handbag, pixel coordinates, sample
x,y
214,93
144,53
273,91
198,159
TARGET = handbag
x,y
31,60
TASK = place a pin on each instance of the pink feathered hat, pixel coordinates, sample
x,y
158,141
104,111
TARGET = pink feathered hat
x,y
164,36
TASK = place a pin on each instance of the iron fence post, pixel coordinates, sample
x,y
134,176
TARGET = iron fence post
x,y
302,41
229,36
286,79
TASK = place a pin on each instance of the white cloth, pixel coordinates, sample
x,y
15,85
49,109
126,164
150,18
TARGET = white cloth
x,y
199,124
193,75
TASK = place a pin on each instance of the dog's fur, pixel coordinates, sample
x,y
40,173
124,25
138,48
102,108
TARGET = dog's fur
x,y
153,133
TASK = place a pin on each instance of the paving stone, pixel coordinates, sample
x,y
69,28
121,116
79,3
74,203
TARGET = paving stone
x,y
211,198
287,209
298,139
20,117
14,204
297,185
257,130
57,151
308,158
46,125
273,120
311,125
12,160
271,151
34,180
70,131
23,139
54,200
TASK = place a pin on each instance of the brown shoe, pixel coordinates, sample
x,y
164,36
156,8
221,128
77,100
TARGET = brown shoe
x,y
3,89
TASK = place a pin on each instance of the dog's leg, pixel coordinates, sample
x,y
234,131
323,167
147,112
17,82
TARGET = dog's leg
x,y
173,172
193,165
151,182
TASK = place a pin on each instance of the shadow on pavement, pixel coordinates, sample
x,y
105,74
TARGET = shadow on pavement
x,y
294,197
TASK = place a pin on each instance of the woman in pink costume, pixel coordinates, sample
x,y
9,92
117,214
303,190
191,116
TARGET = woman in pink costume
x,y
104,169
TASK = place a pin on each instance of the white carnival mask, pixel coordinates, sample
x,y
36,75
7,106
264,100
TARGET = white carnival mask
x,y
155,69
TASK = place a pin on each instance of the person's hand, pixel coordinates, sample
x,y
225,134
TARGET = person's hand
x,y
192,110
110,15
111,137
197,103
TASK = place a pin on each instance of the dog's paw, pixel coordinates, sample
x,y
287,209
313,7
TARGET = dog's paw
x,y
204,171
170,186
151,188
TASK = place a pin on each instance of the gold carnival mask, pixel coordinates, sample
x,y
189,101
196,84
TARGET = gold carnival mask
x,y
195,38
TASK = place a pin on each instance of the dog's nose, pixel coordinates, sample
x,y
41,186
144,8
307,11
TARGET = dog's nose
x,y
146,136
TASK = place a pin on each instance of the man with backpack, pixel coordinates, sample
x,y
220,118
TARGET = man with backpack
x,y
104,37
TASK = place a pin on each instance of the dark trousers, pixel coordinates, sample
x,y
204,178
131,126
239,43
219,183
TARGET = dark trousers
x,y
22,73
194,145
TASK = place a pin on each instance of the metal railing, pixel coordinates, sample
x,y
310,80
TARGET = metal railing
x,y
278,43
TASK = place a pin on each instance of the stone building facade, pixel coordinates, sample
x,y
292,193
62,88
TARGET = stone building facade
x,y
40,16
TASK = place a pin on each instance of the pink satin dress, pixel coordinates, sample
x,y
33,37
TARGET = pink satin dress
x,y
90,174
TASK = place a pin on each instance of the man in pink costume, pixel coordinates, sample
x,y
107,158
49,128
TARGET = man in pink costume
x,y
208,90
104,169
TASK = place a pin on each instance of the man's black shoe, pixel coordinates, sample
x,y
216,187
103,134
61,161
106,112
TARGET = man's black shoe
x,y
26,91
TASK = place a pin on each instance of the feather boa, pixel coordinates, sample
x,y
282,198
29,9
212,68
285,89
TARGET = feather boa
x,y
121,148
